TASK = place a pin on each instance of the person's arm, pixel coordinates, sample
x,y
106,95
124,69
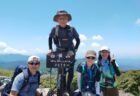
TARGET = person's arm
x,y
50,43
17,84
51,38
76,36
97,86
116,67
79,80
97,83
13,93
38,93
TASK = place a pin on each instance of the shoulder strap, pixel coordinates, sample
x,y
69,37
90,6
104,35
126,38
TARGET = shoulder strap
x,y
95,70
56,30
83,67
38,73
71,29
26,78
83,71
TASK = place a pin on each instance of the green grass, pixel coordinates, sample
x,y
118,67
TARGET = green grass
x,y
45,81
7,73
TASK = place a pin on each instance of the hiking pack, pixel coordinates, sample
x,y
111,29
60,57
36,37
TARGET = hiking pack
x,y
88,80
19,69
63,40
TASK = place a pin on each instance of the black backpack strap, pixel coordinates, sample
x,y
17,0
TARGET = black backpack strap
x,y
116,68
38,77
95,68
97,73
71,29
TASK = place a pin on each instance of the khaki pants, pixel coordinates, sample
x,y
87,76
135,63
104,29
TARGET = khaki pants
x,y
110,92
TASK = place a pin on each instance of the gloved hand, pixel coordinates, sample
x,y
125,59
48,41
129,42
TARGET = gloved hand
x,y
70,53
49,52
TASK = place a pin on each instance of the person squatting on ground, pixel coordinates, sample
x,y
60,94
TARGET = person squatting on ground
x,y
32,83
88,76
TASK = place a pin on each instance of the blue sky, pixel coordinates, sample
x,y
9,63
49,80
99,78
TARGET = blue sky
x,y
25,25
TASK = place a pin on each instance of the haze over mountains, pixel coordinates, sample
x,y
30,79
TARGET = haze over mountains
x,y
10,61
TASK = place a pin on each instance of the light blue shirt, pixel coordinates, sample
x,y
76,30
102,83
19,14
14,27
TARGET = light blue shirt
x,y
29,89
106,69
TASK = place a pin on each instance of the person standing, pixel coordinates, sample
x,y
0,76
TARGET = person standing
x,y
109,70
62,36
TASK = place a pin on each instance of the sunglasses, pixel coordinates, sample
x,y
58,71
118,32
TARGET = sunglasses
x,y
93,58
34,63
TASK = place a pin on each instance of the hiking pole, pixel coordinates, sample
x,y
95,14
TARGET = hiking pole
x,y
50,77
50,90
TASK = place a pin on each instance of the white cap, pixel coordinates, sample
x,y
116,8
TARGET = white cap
x,y
105,48
33,58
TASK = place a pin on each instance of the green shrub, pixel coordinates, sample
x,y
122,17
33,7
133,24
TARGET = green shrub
x,y
130,82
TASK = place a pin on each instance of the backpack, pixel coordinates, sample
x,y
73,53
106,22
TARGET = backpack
x,y
93,76
64,41
18,70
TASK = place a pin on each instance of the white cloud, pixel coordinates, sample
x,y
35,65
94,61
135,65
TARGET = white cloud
x,y
83,37
14,51
138,21
5,49
3,45
97,37
82,44
95,45
37,51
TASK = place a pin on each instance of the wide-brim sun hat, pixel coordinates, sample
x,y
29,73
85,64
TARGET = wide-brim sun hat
x,y
62,13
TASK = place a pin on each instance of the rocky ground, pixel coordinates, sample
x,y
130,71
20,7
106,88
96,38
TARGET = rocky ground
x,y
122,93
45,91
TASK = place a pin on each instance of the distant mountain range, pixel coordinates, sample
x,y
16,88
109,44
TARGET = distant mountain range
x,y
10,61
